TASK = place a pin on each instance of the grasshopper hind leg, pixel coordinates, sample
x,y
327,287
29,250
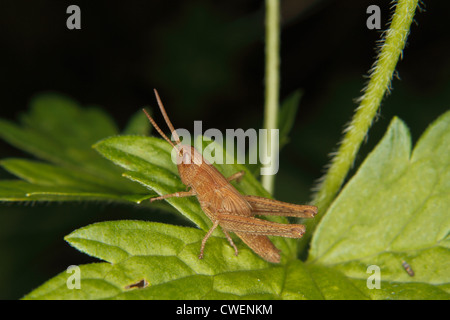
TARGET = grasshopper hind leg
x,y
231,243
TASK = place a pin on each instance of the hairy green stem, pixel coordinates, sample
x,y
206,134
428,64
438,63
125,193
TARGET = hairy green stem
x,y
379,83
272,79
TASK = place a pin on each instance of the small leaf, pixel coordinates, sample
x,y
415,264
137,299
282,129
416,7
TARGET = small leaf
x,y
51,114
49,175
138,125
395,209
58,130
286,119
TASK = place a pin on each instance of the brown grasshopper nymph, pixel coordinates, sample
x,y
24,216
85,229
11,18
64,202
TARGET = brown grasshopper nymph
x,y
226,207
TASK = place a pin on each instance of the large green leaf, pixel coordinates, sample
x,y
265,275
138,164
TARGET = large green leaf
x,y
167,258
394,210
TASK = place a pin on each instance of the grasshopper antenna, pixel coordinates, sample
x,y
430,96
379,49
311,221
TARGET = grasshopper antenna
x,y
163,111
158,129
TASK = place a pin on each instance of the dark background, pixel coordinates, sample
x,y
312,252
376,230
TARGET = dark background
x,y
206,58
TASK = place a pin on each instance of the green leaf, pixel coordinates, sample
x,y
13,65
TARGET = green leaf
x,y
286,118
49,175
167,258
394,209
147,161
59,131
138,125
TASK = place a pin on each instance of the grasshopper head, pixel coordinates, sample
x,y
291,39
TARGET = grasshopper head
x,y
189,161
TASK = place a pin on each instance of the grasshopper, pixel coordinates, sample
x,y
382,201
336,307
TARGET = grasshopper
x,y
225,206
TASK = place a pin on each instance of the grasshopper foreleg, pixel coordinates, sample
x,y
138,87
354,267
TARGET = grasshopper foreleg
x,y
180,194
